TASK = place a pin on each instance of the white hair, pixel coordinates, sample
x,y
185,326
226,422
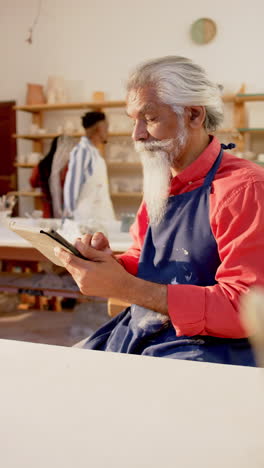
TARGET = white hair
x,y
179,82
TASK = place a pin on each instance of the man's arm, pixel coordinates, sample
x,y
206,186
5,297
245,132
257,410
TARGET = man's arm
x,y
193,310
102,275
238,228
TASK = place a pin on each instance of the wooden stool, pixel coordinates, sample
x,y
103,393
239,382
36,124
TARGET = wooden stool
x,y
115,306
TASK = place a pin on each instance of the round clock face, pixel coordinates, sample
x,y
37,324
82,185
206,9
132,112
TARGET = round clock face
x,y
203,30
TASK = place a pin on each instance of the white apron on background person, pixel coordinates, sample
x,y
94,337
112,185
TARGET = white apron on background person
x,y
86,190
94,201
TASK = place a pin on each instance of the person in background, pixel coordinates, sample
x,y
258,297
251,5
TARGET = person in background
x,y
58,173
86,192
40,178
50,175
198,239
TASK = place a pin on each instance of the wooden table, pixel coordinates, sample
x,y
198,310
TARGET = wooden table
x,y
69,407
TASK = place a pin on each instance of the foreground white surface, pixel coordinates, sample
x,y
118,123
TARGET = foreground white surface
x,y
69,407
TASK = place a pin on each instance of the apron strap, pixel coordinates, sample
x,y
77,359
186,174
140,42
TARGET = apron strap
x,y
210,176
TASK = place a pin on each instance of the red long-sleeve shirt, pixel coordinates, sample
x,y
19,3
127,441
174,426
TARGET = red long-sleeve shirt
x,y
236,216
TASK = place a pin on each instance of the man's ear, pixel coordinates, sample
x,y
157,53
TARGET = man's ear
x,y
196,116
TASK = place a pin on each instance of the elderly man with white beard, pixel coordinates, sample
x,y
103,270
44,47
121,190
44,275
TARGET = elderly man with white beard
x,y
198,237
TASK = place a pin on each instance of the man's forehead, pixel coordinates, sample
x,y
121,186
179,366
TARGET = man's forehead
x,y
142,100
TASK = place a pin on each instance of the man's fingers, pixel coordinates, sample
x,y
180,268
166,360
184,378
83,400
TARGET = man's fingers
x,y
69,259
89,252
99,241
64,256
86,239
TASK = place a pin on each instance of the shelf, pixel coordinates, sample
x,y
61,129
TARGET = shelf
x,y
239,97
126,194
46,136
70,105
227,130
25,166
123,165
242,97
21,193
114,104
229,97
90,105
110,165
120,134
251,130
50,136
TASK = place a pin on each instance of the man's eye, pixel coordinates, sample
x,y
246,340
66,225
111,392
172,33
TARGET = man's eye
x,y
151,119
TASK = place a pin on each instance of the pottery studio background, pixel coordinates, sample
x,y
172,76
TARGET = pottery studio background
x,y
93,45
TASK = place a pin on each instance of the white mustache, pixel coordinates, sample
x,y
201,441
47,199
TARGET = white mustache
x,y
164,145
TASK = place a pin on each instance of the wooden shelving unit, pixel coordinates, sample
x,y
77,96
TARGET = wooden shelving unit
x,y
110,164
241,119
50,136
249,97
126,194
24,165
250,130
38,141
24,193
91,105
240,133
124,165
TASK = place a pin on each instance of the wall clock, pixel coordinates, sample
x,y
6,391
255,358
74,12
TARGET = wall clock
x,y
203,31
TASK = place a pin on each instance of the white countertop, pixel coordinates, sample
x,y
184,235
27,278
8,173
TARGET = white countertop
x,y
119,241
69,407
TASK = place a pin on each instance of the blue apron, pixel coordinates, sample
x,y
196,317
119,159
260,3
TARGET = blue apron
x,y
180,250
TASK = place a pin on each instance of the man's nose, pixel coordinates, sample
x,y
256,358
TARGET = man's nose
x,y
140,131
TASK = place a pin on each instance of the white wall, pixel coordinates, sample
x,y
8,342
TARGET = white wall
x,y
94,44
99,42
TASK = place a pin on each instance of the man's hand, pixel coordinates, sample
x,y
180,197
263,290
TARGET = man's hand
x,y
102,275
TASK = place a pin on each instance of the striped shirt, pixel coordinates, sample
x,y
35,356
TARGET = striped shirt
x,y
80,168
86,190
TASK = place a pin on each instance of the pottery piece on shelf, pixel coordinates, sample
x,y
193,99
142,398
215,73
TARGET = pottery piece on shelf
x,y
56,90
35,94
51,96
98,96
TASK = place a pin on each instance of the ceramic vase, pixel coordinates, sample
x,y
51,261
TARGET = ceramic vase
x,y
56,90
35,94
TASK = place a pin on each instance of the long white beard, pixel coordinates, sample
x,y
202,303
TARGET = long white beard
x,y
157,158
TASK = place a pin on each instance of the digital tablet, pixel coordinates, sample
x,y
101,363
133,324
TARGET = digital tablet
x,y
45,241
